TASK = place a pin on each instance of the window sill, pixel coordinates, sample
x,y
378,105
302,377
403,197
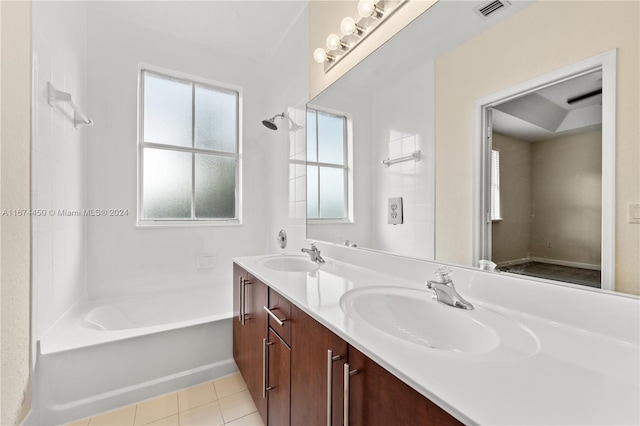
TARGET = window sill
x,y
185,224
329,221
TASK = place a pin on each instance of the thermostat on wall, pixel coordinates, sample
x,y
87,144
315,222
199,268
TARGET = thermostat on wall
x,y
394,211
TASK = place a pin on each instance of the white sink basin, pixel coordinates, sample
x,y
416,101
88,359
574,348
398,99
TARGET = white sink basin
x,y
413,316
290,264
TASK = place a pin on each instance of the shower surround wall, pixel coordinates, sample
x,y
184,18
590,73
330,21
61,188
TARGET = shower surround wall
x,y
287,90
123,259
58,162
402,123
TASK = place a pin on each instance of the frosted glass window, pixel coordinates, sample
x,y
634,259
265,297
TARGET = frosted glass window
x,y
312,144
216,119
188,147
331,129
327,186
167,184
332,193
312,192
215,189
167,110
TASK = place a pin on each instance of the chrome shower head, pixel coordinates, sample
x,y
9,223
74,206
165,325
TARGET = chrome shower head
x,y
270,123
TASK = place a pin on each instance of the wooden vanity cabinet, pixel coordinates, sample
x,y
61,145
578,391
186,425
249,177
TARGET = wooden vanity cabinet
x,y
294,361
314,370
377,397
278,385
249,329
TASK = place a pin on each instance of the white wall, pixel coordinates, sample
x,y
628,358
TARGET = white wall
x,y
121,257
402,123
511,237
286,90
58,161
566,195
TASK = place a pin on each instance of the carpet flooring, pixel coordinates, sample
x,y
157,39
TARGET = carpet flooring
x,y
586,277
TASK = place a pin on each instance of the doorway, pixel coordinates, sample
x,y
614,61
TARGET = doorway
x,y
545,201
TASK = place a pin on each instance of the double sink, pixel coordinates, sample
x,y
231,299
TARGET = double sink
x,y
413,316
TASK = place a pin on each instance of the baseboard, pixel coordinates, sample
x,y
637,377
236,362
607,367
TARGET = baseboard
x,y
567,263
551,262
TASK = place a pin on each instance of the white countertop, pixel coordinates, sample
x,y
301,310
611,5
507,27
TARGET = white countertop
x,y
578,375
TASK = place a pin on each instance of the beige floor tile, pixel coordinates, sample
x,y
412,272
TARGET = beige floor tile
x,y
197,395
121,417
229,385
252,419
167,421
205,415
237,405
156,409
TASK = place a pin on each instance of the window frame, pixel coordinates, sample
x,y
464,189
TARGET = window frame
x,y
496,206
347,167
142,222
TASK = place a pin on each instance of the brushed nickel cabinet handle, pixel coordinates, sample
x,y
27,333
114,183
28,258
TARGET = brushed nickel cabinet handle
x,y
265,388
275,318
347,375
241,300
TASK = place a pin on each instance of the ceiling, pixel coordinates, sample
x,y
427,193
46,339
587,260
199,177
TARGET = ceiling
x,y
546,114
251,29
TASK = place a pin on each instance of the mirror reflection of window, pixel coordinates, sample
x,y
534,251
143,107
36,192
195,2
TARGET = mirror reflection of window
x,y
495,185
327,165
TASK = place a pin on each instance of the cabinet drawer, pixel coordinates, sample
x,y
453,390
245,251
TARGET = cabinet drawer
x,y
280,308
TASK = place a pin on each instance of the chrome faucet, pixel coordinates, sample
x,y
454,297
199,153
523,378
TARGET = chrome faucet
x,y
445,292
314,253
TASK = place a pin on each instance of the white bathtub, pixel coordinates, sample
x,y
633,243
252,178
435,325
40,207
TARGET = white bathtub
x,y
112,352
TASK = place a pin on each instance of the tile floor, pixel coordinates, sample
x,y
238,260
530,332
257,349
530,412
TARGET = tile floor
x,y
224,401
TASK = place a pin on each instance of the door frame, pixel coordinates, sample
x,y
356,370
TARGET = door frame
x,y
482,155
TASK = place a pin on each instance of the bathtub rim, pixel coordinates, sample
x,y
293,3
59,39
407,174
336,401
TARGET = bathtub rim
x,y
70,331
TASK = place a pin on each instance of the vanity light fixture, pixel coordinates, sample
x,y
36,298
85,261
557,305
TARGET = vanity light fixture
x,y
368,8
348,26
334,42
372,13
320,56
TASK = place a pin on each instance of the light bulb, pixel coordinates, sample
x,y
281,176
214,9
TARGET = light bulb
x,y
348,26
334,42
368,8
319,55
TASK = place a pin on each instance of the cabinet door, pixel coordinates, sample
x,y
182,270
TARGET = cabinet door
x,y
377,397
250,296
279,382
313,373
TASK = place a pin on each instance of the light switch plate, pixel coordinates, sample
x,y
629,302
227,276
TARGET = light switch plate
x,y
394,211
634,213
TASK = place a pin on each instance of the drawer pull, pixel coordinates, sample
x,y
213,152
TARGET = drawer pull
x,y
275,318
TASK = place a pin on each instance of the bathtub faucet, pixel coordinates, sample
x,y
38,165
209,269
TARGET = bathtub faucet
x,y
314,253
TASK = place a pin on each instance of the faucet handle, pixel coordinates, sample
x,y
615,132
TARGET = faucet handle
x,y
444,274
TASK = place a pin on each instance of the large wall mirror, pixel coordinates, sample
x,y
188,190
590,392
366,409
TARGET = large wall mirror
x,y
398,160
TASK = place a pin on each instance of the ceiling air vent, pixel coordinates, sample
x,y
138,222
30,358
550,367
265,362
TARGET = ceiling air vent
x,y
491,7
